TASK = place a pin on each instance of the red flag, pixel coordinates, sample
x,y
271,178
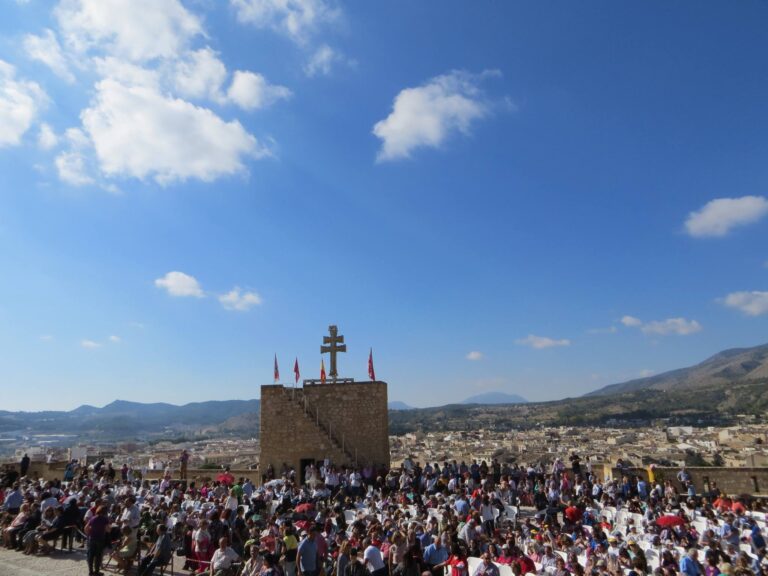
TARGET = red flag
x,y
296,370
277,370
322,371
371,372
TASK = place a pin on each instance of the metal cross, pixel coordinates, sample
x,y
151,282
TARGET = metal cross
x,y
333,348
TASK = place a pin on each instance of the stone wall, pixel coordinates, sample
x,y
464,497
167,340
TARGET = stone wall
x,y
55,471
731,481
344,422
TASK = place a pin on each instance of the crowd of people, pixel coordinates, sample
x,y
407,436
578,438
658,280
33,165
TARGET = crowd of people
x,y
453,519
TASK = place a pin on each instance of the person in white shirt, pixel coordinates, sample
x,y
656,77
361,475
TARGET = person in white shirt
x,y
223,558
373,560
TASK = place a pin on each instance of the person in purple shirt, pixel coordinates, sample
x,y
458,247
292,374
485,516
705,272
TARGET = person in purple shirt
x,y
96,530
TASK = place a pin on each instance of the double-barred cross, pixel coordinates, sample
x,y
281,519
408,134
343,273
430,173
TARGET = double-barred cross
x,y
335,345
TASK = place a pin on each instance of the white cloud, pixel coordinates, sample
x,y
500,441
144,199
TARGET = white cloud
x,y
679,326
427,115
46,49
139,30
90,344
251,91
719,217
238,300
180,284
475,355
127,73
298,19
115,339
46,337
631,321
20,103
608,330
71,167
646,373
139,132
200,75
72,164
752,303
541,342
47,138
321,61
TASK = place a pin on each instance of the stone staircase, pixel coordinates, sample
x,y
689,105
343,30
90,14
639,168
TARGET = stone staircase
x,y
324,427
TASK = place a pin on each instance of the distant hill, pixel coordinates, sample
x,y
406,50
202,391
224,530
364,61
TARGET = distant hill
x,y
122,419
495,398
727,367
397,405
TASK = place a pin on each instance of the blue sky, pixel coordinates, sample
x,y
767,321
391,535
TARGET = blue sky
x,y
536,198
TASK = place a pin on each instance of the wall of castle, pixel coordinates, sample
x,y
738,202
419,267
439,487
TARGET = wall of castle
x,y
356,414
733,481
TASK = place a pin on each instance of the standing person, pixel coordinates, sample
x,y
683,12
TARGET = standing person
x,y
307,557
96,530
354,567
373,560
290,548
435,556
24,465
184,459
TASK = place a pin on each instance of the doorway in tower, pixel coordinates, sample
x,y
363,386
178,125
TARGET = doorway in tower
x,y
305,462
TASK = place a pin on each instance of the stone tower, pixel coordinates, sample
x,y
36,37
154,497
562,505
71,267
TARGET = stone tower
x,y
338,419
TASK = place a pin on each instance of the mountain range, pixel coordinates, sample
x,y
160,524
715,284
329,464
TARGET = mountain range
x,y
723,369
485,399
495,398
123,419
729,383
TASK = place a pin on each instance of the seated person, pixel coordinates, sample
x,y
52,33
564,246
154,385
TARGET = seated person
x,y
126,549
223,559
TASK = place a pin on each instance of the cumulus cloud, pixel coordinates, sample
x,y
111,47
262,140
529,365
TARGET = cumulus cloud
x,y
20,104
180,284
321,61
751,303
140,122
426,116
475,355
46,49
251,91
720,216
139,30
47,138
200,75
297,19
679,326
90,344
139,132
239,301
73,164
541,342
71,168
